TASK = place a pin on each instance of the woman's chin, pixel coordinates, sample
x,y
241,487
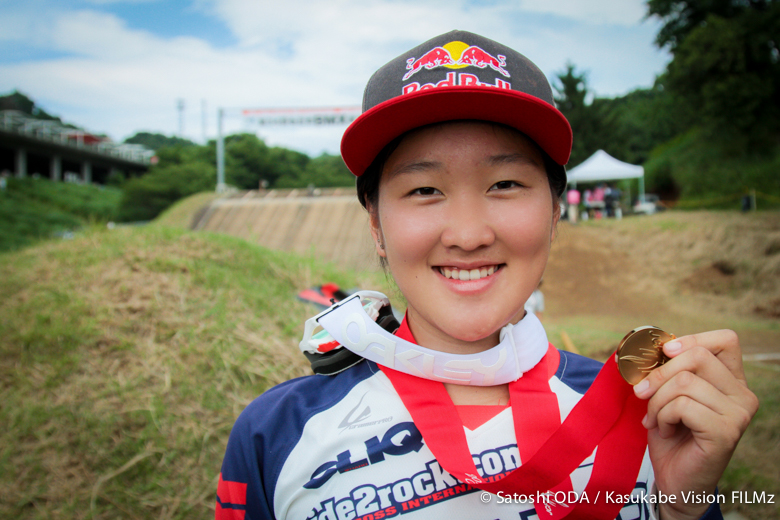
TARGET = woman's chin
x,y
465,331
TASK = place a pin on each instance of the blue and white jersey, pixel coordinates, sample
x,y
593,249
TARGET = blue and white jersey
x,y
345,447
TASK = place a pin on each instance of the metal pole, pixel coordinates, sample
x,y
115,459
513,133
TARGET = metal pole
x,y
21,162
220,152
180,106
203,119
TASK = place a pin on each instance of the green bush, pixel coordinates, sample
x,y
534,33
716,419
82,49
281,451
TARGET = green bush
x,y
323,171
707,175
35,209
146,197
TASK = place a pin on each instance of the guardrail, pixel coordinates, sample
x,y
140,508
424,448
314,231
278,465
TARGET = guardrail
x,y
20,123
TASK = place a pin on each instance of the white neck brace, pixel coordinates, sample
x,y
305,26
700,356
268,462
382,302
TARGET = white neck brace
x,y
521,347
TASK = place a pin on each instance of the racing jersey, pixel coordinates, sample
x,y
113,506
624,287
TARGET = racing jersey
x,y
345,447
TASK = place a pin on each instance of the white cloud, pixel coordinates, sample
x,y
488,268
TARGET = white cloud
x,y
118,79
594,11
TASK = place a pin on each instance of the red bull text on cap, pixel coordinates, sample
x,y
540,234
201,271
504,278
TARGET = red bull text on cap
x,y
456,76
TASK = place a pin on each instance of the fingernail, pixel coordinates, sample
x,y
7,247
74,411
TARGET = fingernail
x,y
644,421
673,347
641,387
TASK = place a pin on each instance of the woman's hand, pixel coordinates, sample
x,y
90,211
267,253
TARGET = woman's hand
x,y
699,406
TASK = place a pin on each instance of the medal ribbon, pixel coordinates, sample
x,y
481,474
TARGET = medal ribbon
x,y
608,416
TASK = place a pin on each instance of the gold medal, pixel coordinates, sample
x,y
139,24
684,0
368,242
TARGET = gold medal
x,y
641,351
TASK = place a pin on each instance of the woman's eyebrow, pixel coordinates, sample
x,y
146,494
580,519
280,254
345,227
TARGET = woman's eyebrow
x,y
512,158
415,167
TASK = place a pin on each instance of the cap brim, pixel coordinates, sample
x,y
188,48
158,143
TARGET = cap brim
x,y
375,128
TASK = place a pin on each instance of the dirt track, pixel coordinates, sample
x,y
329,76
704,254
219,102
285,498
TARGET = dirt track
x,y
686,272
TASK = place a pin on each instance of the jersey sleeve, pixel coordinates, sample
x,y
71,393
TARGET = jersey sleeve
x,y
241,492
265,434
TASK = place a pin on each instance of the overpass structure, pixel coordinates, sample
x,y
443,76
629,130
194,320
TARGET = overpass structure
x,y
48,148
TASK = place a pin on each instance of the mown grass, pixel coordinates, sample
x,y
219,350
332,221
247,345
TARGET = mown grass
x,y
35,209
125,357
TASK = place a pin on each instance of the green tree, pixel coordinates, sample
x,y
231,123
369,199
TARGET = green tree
x,y
572,92
18,101
681,17
323,171
156,141
329,170
632,125
726,66
287,164
146,197
248,161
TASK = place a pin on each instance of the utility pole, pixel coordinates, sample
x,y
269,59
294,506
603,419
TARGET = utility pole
x,y
203,119
220,152
180,106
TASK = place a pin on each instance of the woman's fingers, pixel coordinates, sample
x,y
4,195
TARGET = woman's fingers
x,y
702,386
692,400
723,344
702,363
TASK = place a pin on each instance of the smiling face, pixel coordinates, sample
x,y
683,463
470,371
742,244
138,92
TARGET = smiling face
x,y
465,217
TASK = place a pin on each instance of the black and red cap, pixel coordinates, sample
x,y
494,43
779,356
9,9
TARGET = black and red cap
x,y
456,76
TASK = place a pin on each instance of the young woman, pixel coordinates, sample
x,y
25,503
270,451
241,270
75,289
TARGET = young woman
x,y
467,411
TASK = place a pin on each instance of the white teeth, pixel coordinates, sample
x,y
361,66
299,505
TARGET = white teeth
x,y
466,275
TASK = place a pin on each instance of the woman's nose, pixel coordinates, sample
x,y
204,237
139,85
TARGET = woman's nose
x,y
467,227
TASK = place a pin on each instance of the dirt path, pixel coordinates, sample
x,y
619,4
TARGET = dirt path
x,y
684,272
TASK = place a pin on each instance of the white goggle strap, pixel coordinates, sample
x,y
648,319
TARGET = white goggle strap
x,y
351,327
374,299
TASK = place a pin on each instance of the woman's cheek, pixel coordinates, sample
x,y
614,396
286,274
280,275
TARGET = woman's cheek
x,y
409,235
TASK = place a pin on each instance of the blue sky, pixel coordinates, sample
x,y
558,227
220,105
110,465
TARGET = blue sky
x,y
119,66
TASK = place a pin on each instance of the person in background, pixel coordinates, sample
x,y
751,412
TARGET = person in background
x,y
573,200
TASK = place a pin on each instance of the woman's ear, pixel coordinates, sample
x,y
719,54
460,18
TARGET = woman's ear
x,y
376,230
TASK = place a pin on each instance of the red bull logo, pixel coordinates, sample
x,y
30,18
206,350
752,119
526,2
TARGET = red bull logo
x,y
456,79
456,55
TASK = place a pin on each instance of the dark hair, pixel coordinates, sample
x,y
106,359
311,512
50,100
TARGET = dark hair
x,y
368,183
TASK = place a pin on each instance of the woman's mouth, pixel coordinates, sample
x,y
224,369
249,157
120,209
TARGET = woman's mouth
x,y
466,275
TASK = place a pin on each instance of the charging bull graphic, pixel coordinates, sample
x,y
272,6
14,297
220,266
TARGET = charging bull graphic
x,y
456,55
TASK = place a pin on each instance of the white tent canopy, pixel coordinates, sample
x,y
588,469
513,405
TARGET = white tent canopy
x,y
603,167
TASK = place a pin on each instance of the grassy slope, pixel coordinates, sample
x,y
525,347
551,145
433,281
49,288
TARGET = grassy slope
x,y
34,209
180,214
125,357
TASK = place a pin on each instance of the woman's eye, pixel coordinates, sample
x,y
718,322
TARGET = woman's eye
x,y
504,185
425,191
